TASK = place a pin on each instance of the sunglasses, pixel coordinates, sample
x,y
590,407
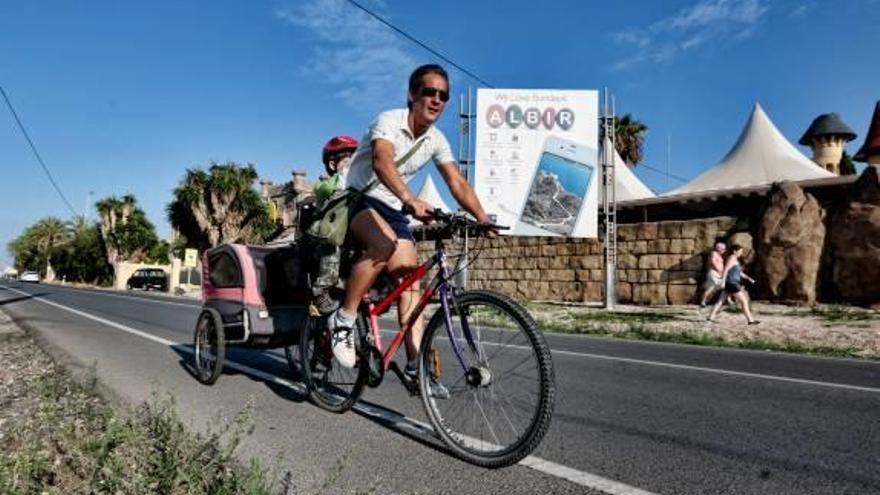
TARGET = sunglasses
x,y
432,92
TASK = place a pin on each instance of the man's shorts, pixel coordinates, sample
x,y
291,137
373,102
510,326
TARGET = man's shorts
x,y
396,219
713,280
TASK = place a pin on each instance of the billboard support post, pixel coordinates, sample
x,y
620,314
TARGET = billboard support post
x,y
465,114
609,199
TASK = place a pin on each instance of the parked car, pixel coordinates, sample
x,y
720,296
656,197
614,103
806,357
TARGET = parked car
x,y
148,279
30,277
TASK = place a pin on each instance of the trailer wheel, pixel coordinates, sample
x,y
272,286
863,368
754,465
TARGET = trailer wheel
x,y
209,347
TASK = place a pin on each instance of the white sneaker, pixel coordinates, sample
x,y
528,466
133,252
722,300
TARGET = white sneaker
x,y
342,341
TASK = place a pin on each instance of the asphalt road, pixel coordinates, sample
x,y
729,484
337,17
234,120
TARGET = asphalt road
x,y
631,417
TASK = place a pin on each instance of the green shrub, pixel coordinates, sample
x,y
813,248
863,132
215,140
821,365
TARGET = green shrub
x,y
78,444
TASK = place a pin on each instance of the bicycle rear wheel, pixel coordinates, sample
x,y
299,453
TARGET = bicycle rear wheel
x,y
331,386
500,402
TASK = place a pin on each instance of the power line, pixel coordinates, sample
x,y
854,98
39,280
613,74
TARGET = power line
x,y
462,69
672,176
36,153
416,41
466,71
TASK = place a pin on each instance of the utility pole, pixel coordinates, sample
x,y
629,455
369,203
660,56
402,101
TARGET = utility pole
x,y
668,157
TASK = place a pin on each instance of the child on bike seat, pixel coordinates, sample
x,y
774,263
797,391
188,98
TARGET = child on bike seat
x,y
336,155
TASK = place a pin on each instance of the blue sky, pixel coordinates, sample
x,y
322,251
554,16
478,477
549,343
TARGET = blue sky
x,y
122,97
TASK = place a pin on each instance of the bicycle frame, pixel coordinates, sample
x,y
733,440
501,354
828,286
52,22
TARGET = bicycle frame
x,y
440,283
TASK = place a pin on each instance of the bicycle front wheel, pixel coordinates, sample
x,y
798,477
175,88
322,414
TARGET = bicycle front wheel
x,y
331,386
487,380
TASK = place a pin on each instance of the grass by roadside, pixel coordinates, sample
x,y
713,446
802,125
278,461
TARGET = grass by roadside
x,y
701,338
837,315
580,319
57,435
834,331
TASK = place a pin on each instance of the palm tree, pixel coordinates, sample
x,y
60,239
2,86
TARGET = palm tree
x,y
21,251
113,211
630,138
48,233
82,258
127,234
219,205
78,226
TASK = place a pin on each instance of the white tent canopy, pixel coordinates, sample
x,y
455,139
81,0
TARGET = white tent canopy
x,y
760,156
627,186
430,194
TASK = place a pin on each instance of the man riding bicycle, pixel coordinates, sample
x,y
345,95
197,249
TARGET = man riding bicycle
x,y
397,144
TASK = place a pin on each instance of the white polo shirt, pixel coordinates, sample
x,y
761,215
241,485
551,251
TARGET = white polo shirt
x,y
392,126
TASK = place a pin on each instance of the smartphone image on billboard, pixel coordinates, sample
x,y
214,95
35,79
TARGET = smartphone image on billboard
x,y
559,186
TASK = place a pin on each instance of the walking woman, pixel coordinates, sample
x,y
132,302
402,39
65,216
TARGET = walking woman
x,y
733,286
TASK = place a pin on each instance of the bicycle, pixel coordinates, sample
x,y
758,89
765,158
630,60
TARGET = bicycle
x,y
488,418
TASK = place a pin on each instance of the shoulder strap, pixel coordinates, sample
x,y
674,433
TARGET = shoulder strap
x,y
409,154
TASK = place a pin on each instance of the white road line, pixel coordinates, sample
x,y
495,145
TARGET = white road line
x,y
196,303
576,476
743,374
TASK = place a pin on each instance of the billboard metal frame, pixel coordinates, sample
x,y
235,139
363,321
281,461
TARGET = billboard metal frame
x,y
465,160
609,198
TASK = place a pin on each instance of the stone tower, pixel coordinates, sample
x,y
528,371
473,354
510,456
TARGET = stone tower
x,y
301,185
870,150
827,136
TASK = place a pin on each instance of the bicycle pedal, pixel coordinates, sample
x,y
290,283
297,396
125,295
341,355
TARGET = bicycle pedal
x,y
411,385
376,371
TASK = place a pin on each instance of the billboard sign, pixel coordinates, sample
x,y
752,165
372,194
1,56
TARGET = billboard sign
x,y
536,167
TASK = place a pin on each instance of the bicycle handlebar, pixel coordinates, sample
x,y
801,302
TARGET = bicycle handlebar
x,y
457,221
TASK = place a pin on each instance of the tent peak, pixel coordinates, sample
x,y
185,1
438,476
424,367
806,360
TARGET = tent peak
x,y
761,155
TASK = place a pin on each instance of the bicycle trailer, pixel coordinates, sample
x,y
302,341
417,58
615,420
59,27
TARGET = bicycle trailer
x,y
252,296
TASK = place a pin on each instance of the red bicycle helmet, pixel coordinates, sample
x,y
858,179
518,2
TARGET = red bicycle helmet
x,y
338,144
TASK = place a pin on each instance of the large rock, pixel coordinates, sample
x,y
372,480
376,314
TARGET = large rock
x,y
745,240
855,242
789,244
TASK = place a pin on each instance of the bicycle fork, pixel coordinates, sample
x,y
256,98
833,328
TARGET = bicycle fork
x,y
478,373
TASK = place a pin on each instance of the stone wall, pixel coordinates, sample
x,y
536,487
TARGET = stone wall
x,y
663,262
658,262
